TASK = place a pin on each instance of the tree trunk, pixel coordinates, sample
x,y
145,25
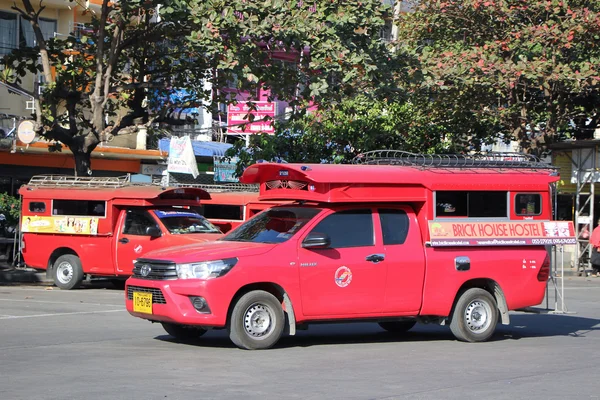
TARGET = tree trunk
x,y
82,148
83,163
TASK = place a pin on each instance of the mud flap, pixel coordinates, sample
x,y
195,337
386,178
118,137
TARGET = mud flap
x,y
501,302
289,310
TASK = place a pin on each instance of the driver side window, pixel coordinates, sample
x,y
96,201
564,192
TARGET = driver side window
x,y
349,228
136,222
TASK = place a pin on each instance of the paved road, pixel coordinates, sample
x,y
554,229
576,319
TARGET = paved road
x,y
83,345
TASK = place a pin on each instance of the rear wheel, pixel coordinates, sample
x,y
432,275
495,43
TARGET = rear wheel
x,y
475,316
183,332
257,321
67,272
397,326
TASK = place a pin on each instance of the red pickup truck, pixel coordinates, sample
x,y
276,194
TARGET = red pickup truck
x,y
398,239
96,227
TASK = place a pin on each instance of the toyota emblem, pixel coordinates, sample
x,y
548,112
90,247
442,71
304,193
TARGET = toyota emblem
x,y
145,270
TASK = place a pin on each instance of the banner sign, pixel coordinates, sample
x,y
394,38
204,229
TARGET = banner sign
x,y
224,169
238,122
63,225
511,233
181,157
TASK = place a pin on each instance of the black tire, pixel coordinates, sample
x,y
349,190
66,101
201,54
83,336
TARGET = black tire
x,y
475,316
183,332
67,272
257,321
397,327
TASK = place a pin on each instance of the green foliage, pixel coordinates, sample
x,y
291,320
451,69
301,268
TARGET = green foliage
x,y
10,207
304,52
338,134
526,69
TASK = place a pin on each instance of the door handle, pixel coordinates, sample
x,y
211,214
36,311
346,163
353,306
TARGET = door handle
x,y
375,258
123,240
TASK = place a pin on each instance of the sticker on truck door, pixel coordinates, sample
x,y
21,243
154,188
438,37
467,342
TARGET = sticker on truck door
x,y
343,276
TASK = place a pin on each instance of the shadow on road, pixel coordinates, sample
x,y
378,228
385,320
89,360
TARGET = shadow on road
x,y
522,326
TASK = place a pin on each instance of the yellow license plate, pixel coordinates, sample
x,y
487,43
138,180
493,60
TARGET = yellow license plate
x,y
142,302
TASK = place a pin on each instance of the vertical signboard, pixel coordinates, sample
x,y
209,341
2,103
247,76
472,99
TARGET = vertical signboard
x,y
181,157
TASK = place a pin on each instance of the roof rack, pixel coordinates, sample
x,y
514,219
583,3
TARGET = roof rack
x,y
476,160
230,187
80,181
121,181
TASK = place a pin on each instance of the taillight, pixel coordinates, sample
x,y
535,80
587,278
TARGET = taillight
x,y
544,273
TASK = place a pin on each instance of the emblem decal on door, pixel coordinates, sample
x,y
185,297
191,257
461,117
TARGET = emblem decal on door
x,y
138,248
343,276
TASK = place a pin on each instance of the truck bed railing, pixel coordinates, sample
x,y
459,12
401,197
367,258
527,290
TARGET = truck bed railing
x,y
80,181
477,160
229,187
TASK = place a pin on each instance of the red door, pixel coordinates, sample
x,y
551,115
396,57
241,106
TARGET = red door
x,y
349,277
404,259
133,240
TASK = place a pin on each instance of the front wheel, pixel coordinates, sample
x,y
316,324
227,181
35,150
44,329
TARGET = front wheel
x,y
67,272
475,316
183,332
257,321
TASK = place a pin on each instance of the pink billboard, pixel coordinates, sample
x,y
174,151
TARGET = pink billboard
x,y
238,123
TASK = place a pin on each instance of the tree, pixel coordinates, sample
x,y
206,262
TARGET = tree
x,y
109,71
526,70
306,53
341,132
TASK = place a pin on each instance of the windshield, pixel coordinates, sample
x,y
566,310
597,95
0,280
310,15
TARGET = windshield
x,y
184,221
275,225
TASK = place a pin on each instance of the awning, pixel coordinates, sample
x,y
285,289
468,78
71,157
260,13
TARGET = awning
x,y
201,149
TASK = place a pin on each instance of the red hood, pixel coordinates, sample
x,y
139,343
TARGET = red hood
x,y
209,251
194,238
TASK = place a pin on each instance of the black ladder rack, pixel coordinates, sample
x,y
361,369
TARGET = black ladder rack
x,y
477,160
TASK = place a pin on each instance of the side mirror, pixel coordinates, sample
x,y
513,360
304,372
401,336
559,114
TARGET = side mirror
x,y
316,240
153,231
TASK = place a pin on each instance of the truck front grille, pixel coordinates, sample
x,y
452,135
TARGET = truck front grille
x,y
157,295
154,269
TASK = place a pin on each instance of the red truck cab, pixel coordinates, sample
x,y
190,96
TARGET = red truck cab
x,y
397,239
95,227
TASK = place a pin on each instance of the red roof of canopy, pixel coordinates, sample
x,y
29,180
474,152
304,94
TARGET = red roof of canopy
x,y
349,182
149,192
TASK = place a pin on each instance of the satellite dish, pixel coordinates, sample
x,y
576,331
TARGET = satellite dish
x,y
26,132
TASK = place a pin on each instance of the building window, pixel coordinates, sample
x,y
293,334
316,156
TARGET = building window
x,y
27,37
8,32
16,32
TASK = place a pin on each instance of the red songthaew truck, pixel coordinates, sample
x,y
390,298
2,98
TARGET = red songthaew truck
x,y
73,227
397,239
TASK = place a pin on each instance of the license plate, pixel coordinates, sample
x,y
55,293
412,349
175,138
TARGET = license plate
x,y
142,302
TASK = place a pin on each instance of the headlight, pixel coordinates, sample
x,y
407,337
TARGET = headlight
x,y
205,269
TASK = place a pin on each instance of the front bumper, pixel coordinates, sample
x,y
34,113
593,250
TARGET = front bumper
x,y
171,300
